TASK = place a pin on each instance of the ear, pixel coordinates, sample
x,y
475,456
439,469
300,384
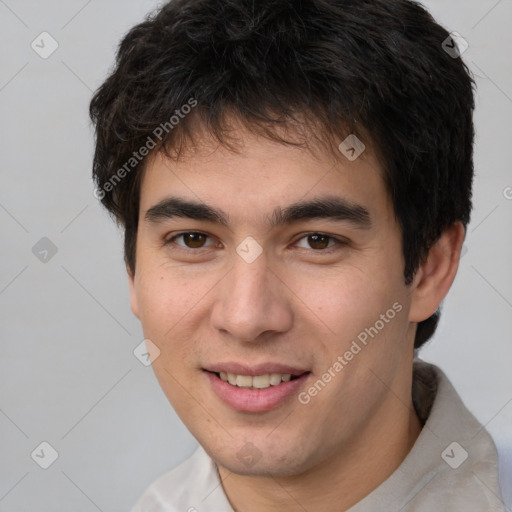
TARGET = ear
x,y
436,275
133,294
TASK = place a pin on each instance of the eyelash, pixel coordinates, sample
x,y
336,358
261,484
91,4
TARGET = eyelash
x,y
339,242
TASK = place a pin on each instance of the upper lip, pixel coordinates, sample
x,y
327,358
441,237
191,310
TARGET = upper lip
x,y
255,369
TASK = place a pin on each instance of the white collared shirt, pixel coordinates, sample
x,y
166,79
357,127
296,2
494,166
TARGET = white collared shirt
x,y
452,467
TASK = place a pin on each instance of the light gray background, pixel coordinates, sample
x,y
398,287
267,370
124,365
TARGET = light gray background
x,y
68,375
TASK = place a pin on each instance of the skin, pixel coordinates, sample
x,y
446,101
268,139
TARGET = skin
x,y
295,304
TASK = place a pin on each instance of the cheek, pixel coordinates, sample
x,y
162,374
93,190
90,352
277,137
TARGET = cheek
x,y
165,306
157,304
343,301
172,302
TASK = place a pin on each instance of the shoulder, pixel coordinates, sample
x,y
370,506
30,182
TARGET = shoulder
x,y
453,463
182,488
459,458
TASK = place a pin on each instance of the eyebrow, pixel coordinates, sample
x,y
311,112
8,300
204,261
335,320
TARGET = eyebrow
x,y
330,207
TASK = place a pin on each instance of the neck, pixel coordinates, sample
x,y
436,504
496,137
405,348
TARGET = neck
x,y
340,481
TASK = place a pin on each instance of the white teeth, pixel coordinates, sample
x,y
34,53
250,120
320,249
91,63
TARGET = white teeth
x,y
258,381
275,379
244,381
261,381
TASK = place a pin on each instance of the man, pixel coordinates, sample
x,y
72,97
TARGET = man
x,y
294,181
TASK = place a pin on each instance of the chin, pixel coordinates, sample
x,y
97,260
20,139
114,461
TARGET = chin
x,y
248,460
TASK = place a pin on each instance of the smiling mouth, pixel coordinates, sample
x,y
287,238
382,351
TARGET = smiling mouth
x,y
264,381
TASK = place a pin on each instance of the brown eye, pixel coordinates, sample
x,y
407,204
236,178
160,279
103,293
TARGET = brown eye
x,y
191,240
318,241
321,243
194,240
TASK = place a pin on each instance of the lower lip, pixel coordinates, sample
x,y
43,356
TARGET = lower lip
x,y
255,400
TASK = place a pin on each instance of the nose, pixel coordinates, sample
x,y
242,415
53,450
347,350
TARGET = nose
x,y
251,302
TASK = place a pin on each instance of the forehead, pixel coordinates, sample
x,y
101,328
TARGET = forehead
x,y
251,179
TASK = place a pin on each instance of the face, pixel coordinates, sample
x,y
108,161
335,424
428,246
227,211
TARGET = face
x,y
303,309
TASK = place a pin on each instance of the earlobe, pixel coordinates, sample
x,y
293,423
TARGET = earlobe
x,y
133,294
436,275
